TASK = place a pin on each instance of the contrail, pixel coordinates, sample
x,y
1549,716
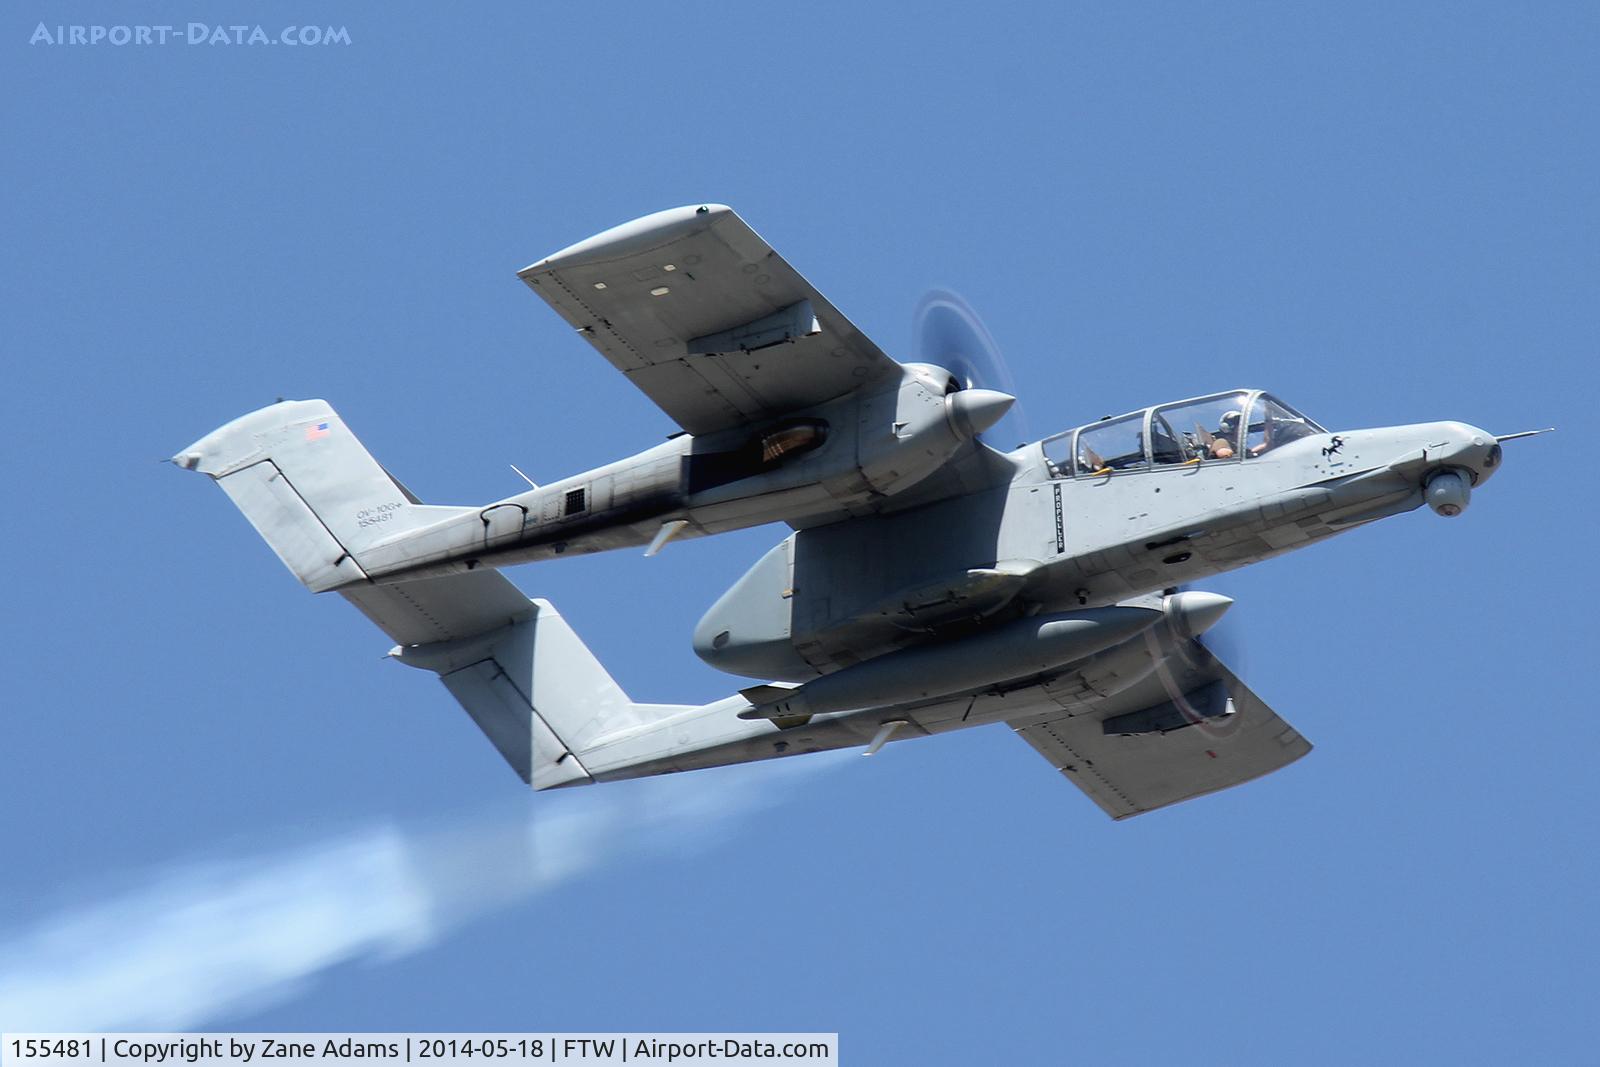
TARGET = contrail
x,y
208,939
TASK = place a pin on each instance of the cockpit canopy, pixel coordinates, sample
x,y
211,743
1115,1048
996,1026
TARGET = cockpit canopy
x,y
1206,429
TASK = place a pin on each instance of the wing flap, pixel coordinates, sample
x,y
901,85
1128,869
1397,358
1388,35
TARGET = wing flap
x,y
1128,773
707,319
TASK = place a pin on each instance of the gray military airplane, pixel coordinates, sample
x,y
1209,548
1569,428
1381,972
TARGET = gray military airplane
x,y
931,583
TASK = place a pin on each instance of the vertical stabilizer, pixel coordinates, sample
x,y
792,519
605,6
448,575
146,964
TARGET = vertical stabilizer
x,y
537,692
309,488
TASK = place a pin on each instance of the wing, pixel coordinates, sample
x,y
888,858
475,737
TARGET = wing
x,y
1189,729
702,315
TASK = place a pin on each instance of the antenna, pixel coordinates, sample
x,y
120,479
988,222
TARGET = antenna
x,y
524,477
1524,433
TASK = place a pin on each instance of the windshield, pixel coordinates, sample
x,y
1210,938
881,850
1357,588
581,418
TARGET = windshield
x,y
1274,424
1116,444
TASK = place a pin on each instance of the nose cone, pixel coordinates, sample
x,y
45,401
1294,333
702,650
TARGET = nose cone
x,y
1468,448
973,411
1193,613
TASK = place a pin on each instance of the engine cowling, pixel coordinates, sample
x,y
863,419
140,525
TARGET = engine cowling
x,y
908,433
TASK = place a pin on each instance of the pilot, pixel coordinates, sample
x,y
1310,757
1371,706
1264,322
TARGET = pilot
x,y
1225,442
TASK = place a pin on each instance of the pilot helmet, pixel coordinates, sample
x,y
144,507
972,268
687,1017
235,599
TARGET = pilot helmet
x,y
1231,419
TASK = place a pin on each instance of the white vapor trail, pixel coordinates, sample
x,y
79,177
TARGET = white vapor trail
x,y
207,939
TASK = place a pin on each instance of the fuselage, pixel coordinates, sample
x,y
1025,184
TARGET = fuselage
x,y
851,457
1053,535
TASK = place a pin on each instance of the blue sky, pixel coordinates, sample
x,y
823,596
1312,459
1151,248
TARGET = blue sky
x,y
220,808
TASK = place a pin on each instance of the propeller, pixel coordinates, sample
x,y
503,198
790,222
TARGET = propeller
x,y
948,333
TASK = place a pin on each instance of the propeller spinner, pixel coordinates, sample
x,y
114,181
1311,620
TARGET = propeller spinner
x,y
949,334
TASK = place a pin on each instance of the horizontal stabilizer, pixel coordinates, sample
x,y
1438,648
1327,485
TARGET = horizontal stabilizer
x,y
441,609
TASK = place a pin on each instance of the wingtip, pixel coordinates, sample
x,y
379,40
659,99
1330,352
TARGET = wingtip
x,y
630,236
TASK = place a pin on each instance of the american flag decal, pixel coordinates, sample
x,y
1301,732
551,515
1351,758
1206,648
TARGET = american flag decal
x,y
317,432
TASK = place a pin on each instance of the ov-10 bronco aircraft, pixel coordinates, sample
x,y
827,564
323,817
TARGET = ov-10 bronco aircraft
x,y
931,583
